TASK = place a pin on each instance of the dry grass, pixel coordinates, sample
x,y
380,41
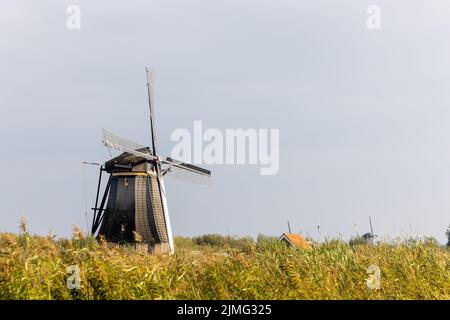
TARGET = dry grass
x,y
34,267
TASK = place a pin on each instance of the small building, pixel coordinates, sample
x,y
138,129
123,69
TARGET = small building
x,y
295,240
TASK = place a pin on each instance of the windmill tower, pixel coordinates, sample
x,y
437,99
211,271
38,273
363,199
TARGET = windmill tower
x,y
133,207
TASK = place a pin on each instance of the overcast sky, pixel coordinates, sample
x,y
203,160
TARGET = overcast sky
x,y
363,114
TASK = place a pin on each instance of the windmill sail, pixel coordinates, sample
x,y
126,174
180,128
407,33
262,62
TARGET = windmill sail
x,y
150,81
186,171
371,228
163,223
177,169
121,144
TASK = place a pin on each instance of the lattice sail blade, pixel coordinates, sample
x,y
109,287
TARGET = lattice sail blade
x,y
150,87
121,144
186,171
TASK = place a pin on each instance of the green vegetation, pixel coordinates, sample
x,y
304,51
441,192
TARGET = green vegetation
x,y
215,267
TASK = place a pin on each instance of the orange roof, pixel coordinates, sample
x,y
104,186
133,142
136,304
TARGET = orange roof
x,y
296,240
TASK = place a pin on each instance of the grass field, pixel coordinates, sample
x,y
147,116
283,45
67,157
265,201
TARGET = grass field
x,y
33,267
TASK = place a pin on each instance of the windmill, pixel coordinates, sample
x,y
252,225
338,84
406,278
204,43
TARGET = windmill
x,y
133,208
369,236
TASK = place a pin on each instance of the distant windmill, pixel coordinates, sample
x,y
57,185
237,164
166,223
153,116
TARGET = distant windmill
x,y
370,236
